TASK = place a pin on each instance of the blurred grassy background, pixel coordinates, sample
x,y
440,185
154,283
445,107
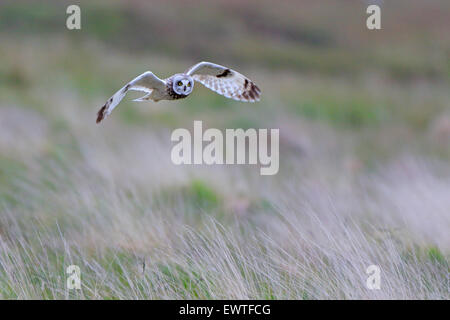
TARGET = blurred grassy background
x,y
349,103
327,66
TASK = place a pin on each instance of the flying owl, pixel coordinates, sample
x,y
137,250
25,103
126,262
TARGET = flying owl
x,y
223,80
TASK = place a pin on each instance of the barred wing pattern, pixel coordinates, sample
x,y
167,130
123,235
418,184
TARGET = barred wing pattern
x,y
225,81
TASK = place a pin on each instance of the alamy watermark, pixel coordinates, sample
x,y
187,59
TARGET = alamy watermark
x,y
74,277
73,21
373,282
190,150
373,21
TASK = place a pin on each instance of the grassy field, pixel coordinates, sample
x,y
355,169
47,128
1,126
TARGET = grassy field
x,y
364,178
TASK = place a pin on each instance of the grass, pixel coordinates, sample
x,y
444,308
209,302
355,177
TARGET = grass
x,y
364,173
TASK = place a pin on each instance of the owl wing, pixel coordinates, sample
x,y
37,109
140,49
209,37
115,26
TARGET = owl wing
x,y
146,82
225,81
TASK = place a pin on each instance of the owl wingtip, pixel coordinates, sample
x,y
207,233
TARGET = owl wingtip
x,y
101,114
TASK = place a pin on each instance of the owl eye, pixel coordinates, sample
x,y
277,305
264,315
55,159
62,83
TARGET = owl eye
x,y
179,83
189,84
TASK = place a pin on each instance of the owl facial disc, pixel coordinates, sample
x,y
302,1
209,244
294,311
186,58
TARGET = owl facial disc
x,y
183,84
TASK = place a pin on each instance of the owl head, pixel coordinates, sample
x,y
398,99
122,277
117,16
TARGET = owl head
x,y
183,84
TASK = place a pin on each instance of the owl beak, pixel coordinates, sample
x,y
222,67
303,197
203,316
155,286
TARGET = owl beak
x,y
184,88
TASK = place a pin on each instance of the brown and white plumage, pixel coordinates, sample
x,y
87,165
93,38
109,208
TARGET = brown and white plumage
x,y
223,80
146,82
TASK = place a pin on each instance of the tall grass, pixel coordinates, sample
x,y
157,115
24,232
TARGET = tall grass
x,y
139,227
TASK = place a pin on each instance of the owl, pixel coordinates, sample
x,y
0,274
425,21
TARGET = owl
x,y
223,80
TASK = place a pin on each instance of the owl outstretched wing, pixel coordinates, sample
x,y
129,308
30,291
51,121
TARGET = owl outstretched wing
x,y
225,81
146,82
